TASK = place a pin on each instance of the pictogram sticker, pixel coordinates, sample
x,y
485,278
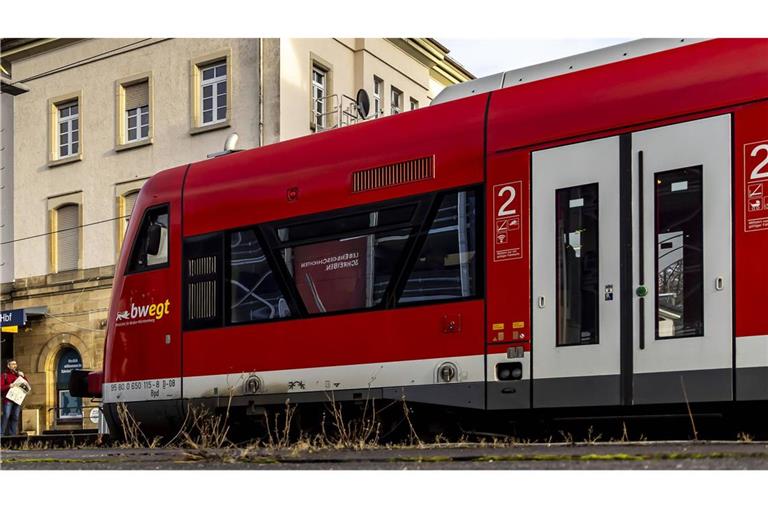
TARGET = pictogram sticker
x,y
507,208
755,178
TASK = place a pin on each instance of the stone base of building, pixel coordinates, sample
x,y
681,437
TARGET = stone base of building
x,y
69,334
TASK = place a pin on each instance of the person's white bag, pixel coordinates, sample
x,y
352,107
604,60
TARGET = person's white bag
x,y
19,390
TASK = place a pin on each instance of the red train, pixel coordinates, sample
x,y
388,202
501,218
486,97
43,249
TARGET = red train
x,y
594,238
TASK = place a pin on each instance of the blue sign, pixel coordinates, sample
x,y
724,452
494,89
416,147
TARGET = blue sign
x,y
69,360
13,317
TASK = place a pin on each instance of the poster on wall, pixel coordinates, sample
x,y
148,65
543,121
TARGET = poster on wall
x,y
330,276
70,407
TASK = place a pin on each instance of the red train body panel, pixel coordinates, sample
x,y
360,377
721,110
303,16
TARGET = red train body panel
x,y
488,157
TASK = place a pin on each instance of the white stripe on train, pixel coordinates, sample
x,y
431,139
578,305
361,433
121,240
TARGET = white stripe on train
x,y
323,379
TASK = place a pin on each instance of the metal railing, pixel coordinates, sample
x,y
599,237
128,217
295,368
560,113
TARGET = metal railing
x,y
341,111
90,417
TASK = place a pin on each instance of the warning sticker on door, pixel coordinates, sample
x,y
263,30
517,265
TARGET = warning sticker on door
x,y
507,221
756,190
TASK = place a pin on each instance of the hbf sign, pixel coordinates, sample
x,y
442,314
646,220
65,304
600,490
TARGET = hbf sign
x,y
13,317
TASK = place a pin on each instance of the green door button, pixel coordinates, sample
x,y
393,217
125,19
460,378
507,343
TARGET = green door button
x,y
641,291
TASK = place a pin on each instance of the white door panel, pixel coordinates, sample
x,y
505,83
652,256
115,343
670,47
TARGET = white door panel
x,y
702,146
593,162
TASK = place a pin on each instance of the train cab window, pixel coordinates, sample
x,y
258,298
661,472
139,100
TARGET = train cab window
x,y
150,250
577,265
446,267
254,291
679,254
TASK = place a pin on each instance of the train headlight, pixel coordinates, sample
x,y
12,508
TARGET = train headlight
x,y
509,371
447,372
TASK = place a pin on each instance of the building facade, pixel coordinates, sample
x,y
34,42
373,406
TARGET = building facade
x,y
98,117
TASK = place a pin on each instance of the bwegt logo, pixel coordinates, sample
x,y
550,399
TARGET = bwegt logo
x,y
156,311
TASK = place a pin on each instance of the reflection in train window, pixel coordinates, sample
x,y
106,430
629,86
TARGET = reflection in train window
x,y
577,265
254,292
679,256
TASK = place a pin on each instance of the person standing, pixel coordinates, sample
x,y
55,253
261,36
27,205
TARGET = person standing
x,y
11,410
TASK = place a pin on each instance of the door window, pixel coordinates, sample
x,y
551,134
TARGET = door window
x,y
576,262
679,254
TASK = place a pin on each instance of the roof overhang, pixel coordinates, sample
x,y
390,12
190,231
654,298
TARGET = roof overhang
x,y
14,89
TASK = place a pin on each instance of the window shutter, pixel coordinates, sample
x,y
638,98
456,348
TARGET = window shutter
x,y
68,241
130,201
136,95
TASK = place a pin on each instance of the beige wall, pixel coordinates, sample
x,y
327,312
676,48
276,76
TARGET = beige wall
x,y
353,64
102,167
78,300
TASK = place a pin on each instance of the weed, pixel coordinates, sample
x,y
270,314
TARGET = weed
x,y
133,435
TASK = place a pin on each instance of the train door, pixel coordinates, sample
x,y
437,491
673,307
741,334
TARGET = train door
x,y
682,225
576,269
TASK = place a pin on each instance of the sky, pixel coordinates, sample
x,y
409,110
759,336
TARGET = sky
x,y
483,57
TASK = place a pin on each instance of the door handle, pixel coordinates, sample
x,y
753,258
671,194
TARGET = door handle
x,y
541,302
719,283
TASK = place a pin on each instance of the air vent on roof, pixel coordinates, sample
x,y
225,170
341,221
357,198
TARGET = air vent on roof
x,y
394,174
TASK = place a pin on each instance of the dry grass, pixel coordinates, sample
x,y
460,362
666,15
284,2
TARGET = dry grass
x,y
133,435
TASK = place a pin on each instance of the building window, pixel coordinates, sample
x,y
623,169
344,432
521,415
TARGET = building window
x,y
319,97
128,201
137,111
378,93
414,104
65,141
396,101
68,121
67,237
213,92
133,121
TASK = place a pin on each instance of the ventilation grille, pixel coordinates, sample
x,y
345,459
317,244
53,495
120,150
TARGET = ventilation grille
x,y
201,288
394,174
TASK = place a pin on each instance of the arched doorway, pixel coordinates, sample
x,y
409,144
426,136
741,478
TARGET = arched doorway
x,y
69,409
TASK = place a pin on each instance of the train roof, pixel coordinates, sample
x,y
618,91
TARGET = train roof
x,y
253,186
570,64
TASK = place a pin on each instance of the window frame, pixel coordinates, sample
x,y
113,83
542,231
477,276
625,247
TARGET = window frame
x,y
157,266
138,113
122,190
414,103
197,66
53,205
69,120
214,83
395,100
378,102
55,229
54,105
423,216
121,114
319,120
657,176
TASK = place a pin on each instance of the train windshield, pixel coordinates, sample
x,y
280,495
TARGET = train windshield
x,y
151,247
